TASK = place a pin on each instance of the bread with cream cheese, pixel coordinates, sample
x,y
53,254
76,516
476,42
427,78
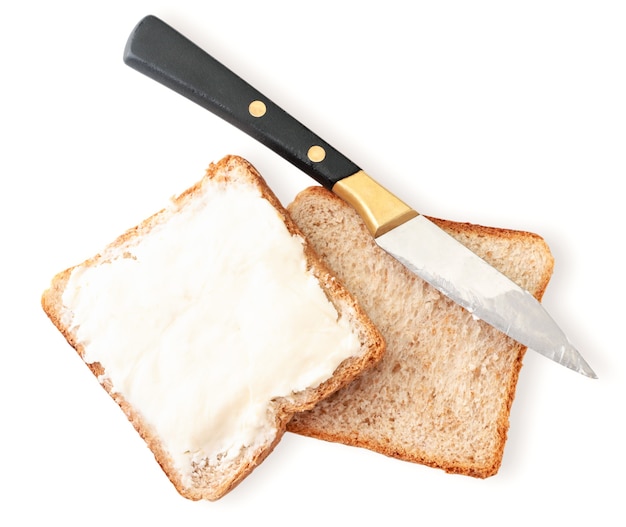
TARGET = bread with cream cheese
x,y
199,299
442,394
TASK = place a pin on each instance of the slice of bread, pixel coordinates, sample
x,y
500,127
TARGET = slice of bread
x,y
210,324
442,394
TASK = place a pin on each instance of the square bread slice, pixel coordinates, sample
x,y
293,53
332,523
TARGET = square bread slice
x,y
210,324
442,394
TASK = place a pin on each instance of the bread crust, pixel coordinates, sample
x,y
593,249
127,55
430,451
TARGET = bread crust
x,y
214,482
423,415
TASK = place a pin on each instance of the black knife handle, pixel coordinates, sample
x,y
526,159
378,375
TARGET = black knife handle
x,y
163,54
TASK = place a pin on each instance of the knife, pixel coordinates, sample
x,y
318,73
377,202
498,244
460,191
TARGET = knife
x,y
163,54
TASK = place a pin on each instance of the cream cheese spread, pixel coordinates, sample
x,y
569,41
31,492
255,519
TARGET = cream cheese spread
x,y
207,318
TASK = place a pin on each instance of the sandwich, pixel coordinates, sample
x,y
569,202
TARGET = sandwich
x,y
211,324
442,394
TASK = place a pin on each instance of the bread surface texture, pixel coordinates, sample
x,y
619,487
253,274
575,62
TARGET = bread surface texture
x,y
192,344
442,394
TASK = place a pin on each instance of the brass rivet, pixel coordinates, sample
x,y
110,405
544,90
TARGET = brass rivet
x,y
316,153
257,108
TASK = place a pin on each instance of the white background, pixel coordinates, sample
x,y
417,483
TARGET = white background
x,y
510,114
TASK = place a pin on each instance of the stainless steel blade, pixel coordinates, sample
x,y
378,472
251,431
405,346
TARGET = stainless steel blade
x,y
489,295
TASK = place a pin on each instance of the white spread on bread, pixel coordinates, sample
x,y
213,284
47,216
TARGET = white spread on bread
x,y
199,326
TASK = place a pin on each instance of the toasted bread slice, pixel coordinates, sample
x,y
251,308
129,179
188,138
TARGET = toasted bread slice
x,y
442,394
210,324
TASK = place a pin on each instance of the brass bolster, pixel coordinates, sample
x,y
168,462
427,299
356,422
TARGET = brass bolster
x,y
380,209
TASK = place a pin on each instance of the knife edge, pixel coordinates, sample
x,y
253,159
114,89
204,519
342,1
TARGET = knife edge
x,y
481,289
